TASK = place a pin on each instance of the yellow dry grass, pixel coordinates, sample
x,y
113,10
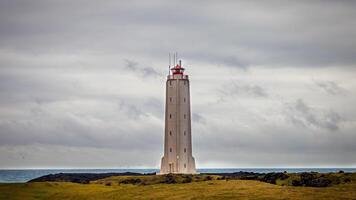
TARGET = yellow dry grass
x,y
215,189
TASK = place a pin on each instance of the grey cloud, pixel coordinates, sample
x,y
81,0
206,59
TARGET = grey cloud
x,y
198,118
142,71
234,33
233,61
149,71
118,131
131,110
302,114
155,107
131,65
237,88
330,87
275,146
65,108
141,108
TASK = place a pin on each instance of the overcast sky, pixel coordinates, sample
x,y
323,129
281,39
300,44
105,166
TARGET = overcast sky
x,y
273,83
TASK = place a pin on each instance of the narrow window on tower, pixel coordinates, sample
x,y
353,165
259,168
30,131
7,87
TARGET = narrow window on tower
x,y
184,116
170,149
185,150
170,133
170,82
184,99
185,165
170,116
185,133
170,99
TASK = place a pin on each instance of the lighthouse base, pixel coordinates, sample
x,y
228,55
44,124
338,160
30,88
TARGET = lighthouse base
x,y
176,167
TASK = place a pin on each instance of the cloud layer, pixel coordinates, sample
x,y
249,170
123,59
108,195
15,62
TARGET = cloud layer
x,y
272,83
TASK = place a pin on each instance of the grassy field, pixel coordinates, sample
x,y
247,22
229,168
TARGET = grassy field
x,y
110,188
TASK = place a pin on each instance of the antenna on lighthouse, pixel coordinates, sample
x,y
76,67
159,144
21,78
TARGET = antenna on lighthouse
x,y
177,58
169,66
174,60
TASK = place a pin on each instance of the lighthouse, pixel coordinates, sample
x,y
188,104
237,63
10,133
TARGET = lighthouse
x,y
177,156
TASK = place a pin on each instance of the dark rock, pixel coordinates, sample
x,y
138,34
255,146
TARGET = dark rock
x,y
296,183
273,177
169,179
320,182
235,175
133,181
347,180
253,177
80,177
208,178
187,179
306,178
313,180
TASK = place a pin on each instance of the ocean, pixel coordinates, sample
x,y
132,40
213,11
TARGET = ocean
x,y
24,175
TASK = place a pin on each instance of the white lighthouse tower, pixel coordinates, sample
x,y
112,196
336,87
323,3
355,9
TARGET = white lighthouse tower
x,y
178,156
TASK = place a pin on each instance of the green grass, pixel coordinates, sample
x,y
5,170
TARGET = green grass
x,y
152,189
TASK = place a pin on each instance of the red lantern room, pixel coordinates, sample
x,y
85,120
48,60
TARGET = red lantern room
x,y
178,69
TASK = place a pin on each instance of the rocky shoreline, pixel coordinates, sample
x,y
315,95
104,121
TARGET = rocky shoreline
x,y
308,179
81,177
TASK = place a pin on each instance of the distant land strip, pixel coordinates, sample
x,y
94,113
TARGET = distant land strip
x,y
308,179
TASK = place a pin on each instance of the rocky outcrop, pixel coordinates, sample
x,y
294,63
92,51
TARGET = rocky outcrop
x,y
308,179
273,177
313,180
238,175
80,177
